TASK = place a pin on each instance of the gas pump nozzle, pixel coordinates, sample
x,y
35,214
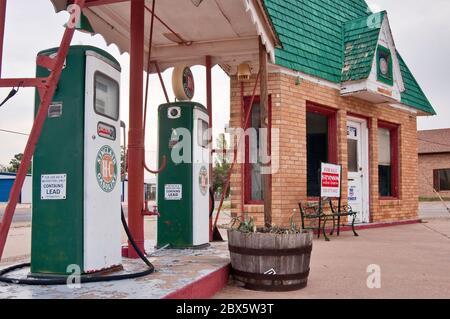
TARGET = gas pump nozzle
x,y
147,212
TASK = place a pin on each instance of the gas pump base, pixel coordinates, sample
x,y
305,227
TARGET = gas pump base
x,y
104,272
197,247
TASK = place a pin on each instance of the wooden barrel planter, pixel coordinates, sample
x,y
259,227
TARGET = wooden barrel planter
x,y
270,262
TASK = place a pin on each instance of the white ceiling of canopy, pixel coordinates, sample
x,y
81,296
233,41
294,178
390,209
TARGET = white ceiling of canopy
x,y
227,30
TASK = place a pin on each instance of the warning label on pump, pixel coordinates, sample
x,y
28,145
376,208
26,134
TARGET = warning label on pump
x,y
173,192
53,187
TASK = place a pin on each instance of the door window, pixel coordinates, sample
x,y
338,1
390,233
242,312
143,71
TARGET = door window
x,y
352,148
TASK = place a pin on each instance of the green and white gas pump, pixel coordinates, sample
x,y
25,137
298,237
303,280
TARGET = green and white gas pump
x,y
76,169
183,186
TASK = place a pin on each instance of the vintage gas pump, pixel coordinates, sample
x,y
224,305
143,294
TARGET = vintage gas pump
x,y
183,186
76,169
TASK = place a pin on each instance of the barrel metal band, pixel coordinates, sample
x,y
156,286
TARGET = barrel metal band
x,y
276,288
270,252
249,275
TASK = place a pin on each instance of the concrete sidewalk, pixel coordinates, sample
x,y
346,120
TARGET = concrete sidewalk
x,y
432,210
414,261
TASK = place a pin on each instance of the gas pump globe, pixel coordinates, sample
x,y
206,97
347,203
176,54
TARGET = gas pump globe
x,y
76,169
183,186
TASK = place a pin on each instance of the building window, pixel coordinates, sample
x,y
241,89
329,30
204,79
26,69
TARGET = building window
x,y
441,179
388,160
254,183
384,65
320,144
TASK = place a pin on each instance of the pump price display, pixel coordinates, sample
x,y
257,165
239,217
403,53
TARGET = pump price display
x,y
53,187
173,192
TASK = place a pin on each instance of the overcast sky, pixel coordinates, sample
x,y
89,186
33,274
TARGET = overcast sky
x,y
421,30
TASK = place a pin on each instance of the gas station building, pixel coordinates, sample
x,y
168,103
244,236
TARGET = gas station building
x,y
339,92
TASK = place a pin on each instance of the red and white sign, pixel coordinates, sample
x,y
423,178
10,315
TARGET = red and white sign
x,y
330,180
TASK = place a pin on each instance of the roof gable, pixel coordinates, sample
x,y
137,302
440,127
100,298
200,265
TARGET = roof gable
x,y
360,42
368,43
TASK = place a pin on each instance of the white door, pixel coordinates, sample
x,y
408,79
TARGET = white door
x,y
102,177
357,170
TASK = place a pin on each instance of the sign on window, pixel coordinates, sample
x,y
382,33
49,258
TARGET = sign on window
x,y
330,180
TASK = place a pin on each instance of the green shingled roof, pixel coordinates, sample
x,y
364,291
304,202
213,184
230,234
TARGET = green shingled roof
x,y
360,43
332,40
413,95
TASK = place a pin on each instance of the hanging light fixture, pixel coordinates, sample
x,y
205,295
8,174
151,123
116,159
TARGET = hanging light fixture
x,y
244,72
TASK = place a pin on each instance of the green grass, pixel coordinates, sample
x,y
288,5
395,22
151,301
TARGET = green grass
x,y
433,199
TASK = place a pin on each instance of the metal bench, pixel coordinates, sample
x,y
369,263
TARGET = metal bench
x,y
336,213
316,212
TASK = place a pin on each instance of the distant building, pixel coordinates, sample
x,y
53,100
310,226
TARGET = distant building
x,y
434,163
6,183
149,190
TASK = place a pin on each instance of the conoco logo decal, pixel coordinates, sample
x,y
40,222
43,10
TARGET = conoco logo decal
x,y
106,169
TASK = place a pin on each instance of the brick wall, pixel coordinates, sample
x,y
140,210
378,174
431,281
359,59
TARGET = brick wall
x,y
289,101
428,163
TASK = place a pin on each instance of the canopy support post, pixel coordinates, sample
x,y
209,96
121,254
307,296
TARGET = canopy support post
x,y
264,105
135,134
208,64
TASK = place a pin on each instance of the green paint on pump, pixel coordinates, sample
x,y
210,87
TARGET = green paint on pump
x,y
175,195
57,232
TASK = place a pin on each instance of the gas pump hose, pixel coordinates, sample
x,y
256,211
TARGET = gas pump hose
x,y
84,278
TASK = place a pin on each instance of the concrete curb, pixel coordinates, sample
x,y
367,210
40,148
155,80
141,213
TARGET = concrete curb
x,y
205,287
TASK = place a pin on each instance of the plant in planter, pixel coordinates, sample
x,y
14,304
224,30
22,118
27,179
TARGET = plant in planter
x,y
269,258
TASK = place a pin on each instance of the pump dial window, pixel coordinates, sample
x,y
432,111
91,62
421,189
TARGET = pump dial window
x,y
106,96
202,133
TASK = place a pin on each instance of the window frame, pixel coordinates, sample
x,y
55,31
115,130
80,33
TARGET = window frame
x,y
437,179
247,166
331,115
389,80
394,130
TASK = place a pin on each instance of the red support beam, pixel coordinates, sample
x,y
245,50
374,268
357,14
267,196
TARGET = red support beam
x,y
244,125
35,133
2,30
149,59
95,3
167,26
208,64
162,82
264,118
135,135
24,82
